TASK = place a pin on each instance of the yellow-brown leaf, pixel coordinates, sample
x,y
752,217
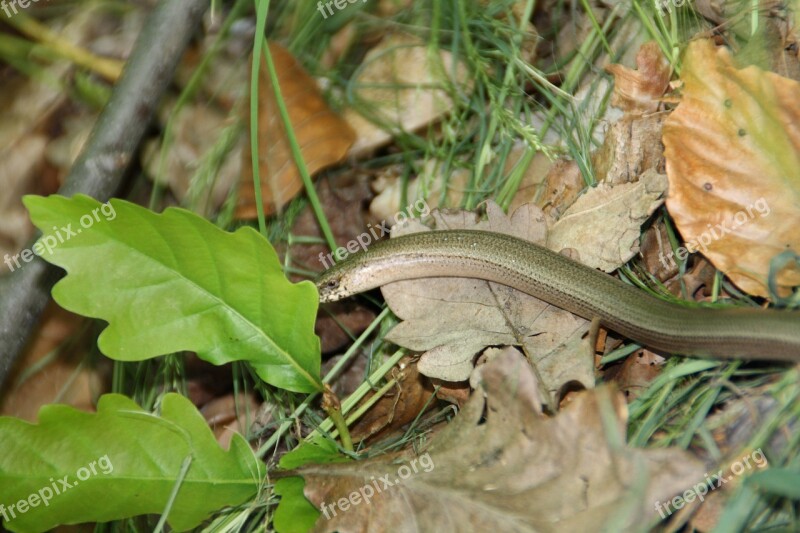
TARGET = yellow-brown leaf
x,y
733,161
323,137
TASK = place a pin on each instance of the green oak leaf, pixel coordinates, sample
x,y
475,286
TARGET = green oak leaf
x,y
173,281
74,467
295,514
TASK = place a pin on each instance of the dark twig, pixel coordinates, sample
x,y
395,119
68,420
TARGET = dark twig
x,y
99,170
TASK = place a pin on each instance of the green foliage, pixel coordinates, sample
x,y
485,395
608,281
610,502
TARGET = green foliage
x,y
174,281
295,514
777,481
119,462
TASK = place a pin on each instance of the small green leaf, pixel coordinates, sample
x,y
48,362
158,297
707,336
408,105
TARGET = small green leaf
x,y
319,451
295,514
74,467
174,281
779,481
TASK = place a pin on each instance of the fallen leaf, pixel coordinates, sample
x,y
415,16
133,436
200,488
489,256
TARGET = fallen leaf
x,y
230,414
604,224
733,161
634,373
195,145
431,186
452,320
398,407
632,146
323,137
401,87
53,369
518,471
639,91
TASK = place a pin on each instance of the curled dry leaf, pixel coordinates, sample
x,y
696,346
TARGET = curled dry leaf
x,y
398,407
401,86
733,161
520,471
452,320
552,185
322,135
604,224
632,146
638,91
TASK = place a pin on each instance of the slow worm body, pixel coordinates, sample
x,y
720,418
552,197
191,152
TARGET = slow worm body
x,y
741,333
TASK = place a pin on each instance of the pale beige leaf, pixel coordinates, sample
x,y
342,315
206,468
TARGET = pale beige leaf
x,y
453,319
401,87
604,224
519,471
733,161
428,185
197,130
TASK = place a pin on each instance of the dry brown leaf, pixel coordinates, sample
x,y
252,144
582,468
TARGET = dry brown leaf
x,y
196,131
639,91
230,414
604,224
519,471
634,373
733,160
403,86
452,320
398,407
322,135
632,145
64,378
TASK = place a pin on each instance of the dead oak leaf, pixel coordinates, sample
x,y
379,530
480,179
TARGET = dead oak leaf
x,y
639,91
520,471
452,320
733,161
323,137
604,224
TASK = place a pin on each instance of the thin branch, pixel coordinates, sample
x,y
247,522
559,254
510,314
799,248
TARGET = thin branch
x,y
101,166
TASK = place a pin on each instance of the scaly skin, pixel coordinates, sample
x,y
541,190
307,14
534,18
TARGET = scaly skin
x,y
734,333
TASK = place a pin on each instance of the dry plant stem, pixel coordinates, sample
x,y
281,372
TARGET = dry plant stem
x,y
101,166
110,69
332,406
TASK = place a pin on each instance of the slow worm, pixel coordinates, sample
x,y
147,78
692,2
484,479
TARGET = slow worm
x,y
735,333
